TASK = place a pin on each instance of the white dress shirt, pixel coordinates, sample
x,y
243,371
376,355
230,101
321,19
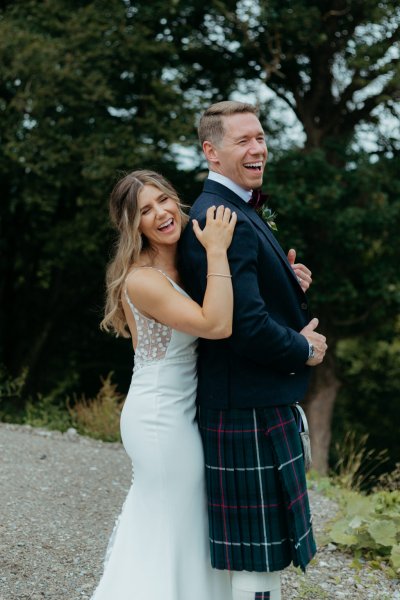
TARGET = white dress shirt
x,y
231,185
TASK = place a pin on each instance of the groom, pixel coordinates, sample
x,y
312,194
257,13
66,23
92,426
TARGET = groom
x,y
248,384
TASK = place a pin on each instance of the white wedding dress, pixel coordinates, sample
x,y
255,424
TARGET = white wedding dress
x,y
159,548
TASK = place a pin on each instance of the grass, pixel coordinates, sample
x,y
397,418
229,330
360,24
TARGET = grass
x,y
99,417
45,413
311,591
356,466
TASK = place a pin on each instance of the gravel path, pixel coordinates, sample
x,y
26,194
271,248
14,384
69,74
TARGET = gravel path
x,y
59,497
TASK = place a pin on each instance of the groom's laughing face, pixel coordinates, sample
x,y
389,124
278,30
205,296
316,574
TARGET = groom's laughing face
x,y
242,153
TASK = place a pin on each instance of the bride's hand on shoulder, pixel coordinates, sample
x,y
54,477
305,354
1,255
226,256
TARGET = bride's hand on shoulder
x,y
218,230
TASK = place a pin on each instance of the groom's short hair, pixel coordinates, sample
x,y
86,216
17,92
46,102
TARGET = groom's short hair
x,y
211,127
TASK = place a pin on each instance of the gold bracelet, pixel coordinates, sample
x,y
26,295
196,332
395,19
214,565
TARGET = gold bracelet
x,y
218,275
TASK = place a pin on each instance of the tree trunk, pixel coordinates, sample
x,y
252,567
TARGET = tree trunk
x,y
319,405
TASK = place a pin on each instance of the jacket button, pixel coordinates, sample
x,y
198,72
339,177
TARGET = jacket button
x,y
304,305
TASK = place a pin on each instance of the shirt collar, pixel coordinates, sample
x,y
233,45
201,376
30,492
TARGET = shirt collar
x,y
231,185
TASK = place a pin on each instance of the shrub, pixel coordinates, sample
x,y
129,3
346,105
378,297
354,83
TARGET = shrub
x,y
44,412
11,387
371,525
356,465
368,399
99,417
367,524
11,394
389,481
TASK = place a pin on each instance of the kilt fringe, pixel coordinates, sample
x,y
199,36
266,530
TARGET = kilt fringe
x,y
259,514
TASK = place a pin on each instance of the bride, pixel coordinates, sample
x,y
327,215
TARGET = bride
x,y
159,548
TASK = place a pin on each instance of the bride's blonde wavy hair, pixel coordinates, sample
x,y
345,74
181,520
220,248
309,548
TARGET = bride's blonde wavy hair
x,y
125,217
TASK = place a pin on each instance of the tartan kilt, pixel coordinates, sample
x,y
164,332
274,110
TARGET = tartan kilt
x,y
258,509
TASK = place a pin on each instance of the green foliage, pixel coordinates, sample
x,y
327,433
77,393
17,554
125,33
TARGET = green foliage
x,y
84,95
389,481
332,63
370,524
356,464
309,590
48,411
44,412
368,400
12,395
322,484
374,364
10,387
342,222
99,417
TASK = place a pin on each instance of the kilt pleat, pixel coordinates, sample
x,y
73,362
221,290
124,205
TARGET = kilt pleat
x,y
259,514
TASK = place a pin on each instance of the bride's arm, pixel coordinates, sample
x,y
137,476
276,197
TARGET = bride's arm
x,y
153,295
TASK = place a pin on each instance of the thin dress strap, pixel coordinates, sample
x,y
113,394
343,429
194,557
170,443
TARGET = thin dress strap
x,y
172,282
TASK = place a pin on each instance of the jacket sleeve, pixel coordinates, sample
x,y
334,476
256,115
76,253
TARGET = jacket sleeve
x,y
256,335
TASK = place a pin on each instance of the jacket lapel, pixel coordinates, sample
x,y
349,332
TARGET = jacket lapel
x,y
214,187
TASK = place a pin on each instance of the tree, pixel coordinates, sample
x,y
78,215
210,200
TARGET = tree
x,y
84,94
344,223
334,63
370,370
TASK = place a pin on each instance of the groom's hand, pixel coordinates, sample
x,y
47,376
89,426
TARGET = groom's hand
x,y
317,340
302,273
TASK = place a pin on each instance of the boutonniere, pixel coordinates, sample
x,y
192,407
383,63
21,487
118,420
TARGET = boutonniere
x,y
268,216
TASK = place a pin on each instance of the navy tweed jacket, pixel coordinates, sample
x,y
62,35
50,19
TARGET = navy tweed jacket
x,y
263,363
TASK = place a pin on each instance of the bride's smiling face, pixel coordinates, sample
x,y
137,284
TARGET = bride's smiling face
x,y
160,218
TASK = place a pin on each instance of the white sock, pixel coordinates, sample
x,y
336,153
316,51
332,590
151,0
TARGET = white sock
x,y
248,585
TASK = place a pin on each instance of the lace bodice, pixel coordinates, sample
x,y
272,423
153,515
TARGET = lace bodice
x,y
154,338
